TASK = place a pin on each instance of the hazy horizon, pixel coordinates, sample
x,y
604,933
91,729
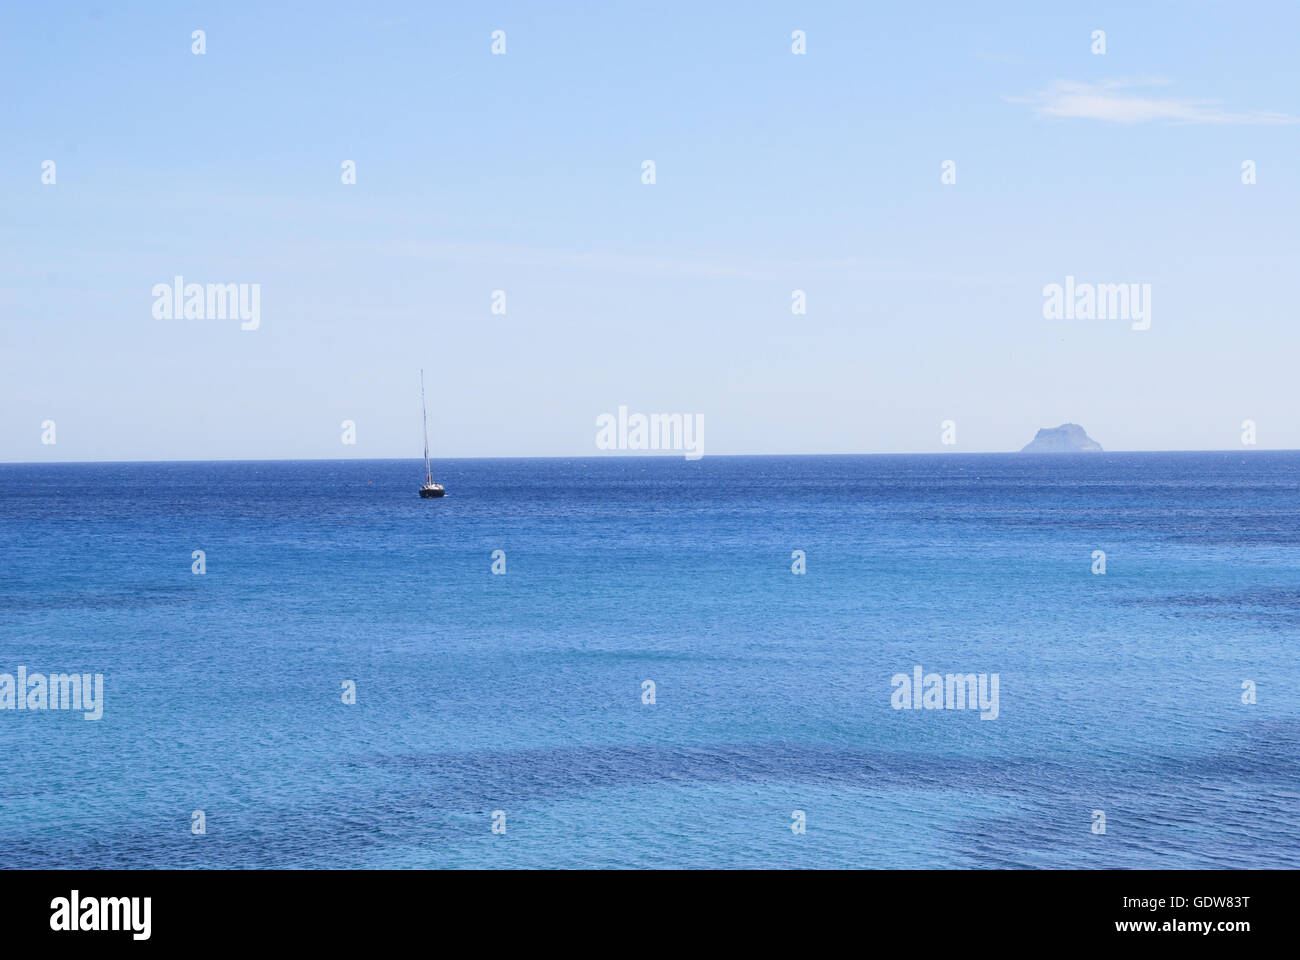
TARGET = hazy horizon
x,y
776,171
632,456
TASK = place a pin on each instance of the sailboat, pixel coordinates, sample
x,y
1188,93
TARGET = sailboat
x,y
430,489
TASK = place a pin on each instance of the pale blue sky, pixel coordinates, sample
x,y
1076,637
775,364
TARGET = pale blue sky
x,y
523,172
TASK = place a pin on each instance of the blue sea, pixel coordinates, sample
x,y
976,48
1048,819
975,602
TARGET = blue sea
x,y
517,698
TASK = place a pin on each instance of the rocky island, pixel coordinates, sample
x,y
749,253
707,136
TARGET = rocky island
x,y
1067,438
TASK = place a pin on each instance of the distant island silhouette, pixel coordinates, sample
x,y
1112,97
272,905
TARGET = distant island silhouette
x,y
1067,438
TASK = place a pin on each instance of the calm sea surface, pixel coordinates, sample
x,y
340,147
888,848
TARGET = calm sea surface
x,y
522,692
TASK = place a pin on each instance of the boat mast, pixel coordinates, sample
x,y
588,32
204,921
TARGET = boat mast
x,y
428,471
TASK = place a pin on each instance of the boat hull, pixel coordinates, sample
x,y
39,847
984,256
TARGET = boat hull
x,y
428,492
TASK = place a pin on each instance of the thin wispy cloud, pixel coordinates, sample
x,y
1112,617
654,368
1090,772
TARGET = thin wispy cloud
x,y
602,262
708,268
1138,101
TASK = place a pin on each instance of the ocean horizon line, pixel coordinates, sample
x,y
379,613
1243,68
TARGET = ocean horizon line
x,y
670,455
